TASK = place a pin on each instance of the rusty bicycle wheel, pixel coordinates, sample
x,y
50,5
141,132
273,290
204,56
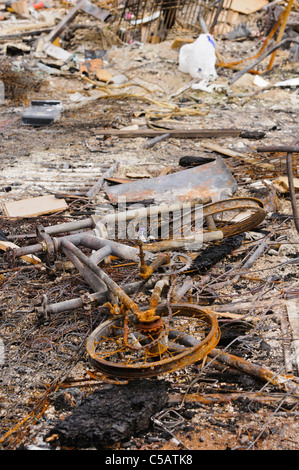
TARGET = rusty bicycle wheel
x,y
233,216
174,342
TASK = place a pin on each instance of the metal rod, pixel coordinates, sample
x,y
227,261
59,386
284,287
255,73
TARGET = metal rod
x,y
100,254
117,249
96,297
292,190
90,277
278,148
261,58
70,226
151,210
282,382
112,286
93,191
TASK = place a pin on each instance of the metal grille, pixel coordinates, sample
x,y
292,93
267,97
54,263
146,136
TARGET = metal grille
x,y
154,21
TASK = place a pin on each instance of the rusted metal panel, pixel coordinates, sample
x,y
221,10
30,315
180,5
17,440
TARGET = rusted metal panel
x,y
212,179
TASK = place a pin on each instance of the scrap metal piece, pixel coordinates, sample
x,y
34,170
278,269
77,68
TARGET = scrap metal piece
x,y
96,298
65,21
179,262
235,215
283,382
212,179
95,11
84,5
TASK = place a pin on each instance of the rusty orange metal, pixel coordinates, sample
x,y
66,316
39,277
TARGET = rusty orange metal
x,y
111,331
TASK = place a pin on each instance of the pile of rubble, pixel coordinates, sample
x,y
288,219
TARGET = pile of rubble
x,y
149,226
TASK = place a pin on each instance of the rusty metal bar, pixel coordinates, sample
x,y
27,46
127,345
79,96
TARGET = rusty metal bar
x,y
112,286
156,295
266,375
286,14
100,254
146,271
289,149
91,222
278,148
71,226
117,249
292,190
261,58
87,239
152,210
97,298
198,237
90,277
212,398
41,248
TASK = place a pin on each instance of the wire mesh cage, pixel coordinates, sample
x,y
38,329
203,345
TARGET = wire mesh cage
x,y
155,20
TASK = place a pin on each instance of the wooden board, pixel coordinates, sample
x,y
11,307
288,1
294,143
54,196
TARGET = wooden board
x,y
35,206
29,258
175,133
222,150
282,183
245,7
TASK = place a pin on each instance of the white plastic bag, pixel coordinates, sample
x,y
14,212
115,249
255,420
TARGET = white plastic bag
x,y
199,59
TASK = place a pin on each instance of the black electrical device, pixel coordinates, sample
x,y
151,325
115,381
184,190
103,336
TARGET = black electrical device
x,y
42,112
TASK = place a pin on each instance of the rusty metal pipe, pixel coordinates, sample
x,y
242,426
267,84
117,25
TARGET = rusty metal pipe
x,y
100,255
97,297
87,239
112,286
156,295
117,249
266,375
186,340
292,190
147,271
198,237
151,210
28,250
210,399
278,148
71,226
90,223
90,277
40,247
